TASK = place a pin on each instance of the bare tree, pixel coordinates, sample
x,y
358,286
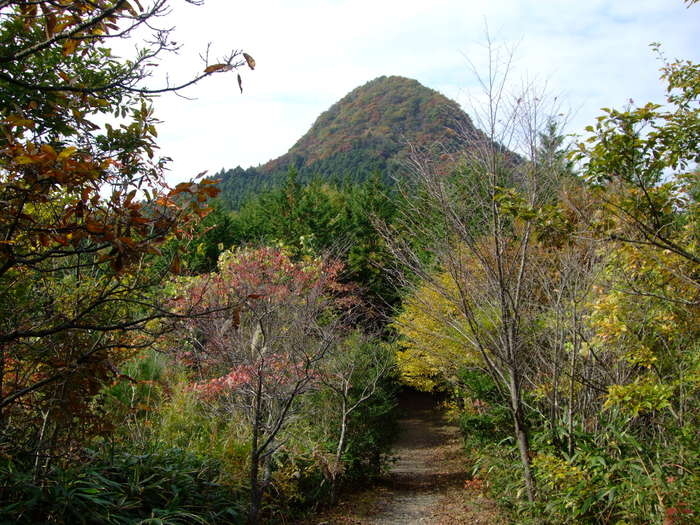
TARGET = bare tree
x,y
478,222
353,373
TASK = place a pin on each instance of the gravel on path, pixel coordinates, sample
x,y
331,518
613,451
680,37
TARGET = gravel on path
x,y
426,483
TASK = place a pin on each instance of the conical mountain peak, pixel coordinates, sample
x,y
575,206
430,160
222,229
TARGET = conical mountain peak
x,y
370,130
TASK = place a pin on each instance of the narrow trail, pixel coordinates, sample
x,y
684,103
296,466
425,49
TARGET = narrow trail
x,y
426,483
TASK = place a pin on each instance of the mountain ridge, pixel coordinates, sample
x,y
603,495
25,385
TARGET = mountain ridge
x,y
372,129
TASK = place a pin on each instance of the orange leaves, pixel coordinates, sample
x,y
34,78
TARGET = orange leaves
x,y
183,187
209,191
201,192
94,227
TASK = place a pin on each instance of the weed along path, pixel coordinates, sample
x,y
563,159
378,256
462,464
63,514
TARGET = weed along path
x,y
425,485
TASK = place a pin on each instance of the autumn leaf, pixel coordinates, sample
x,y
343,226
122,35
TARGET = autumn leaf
x,y
175,266
48,150
130,9
94,227
23,159
50,22
240,83
211,191
67,153
19,121
181,188
69,46
218,67
250,60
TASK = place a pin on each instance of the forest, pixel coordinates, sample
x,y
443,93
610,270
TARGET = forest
x,y
172,354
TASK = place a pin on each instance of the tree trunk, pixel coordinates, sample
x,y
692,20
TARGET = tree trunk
x,y
339,451
255,492
255,488
521,436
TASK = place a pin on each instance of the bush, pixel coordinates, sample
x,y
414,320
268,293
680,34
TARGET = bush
x,y
485,418
162,486
612,478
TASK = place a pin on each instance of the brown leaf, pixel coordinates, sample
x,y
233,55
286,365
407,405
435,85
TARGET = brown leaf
x,y
182,187
93,226
50,22
175,266
250,60
218,67
211,191
69,46
240,83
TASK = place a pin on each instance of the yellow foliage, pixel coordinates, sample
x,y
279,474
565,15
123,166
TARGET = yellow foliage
x,y
433,342
644,395
557,473
649,318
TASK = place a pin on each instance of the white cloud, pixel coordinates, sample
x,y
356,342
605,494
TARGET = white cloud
x,y
312,52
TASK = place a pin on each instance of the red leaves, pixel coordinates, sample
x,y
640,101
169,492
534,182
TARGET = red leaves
x,y
236,378
677,514
226,307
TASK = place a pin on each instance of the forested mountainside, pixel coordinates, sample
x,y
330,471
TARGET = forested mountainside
x,y
370,130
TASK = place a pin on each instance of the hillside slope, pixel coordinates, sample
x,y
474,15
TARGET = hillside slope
x,y
369,130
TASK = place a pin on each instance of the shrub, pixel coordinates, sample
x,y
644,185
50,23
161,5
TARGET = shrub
x,y
166,485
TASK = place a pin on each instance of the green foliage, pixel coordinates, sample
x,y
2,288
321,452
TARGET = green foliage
x,y
321,217
484,417
212,235
373,432
160,485
615,478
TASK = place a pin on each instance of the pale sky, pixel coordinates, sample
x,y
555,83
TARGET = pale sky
x,y
310,53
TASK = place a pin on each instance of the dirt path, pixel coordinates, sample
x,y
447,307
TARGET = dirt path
x,y
426,483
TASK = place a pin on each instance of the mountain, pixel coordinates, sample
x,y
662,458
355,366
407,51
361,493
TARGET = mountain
x,y
370,130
